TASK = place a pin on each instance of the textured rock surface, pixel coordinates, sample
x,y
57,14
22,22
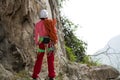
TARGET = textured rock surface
x,y
4,74
17,49
17,19
75,71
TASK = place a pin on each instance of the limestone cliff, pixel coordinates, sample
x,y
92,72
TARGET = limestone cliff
x,y
17,49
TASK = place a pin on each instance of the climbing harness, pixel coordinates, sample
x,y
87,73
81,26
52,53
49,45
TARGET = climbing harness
x,y
48,50
46,41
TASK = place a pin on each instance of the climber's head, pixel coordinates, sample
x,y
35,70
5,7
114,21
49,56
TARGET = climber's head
x,y
43,14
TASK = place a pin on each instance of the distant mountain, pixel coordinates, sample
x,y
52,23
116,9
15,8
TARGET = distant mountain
x,y
110,54
114,43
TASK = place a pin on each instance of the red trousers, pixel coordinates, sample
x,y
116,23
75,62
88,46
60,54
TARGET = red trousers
x,y
38,63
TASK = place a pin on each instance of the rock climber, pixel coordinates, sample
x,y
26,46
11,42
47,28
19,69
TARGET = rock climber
x,y
45,38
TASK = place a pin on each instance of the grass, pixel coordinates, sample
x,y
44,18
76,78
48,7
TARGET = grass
x,y
87,60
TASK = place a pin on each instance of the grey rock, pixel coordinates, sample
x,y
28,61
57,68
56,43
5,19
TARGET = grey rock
x,y
5,74
17,49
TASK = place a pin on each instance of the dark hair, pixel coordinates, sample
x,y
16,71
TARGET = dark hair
x,y
43,18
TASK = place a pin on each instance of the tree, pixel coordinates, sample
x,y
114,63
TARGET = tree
x,y
78,47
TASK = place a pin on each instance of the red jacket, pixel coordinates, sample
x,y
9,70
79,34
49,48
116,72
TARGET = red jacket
x,y
40,31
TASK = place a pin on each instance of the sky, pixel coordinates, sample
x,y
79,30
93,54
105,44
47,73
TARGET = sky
x,y
99,21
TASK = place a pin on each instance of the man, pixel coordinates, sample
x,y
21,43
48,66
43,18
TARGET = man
x,y
45,38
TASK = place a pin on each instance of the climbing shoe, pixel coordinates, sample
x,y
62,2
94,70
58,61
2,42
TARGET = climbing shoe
x,y
37,79
51,79
34,79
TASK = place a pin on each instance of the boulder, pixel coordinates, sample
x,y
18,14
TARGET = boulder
x,y
76,71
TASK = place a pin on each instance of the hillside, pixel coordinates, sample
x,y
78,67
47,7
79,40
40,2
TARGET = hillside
x,y
18,51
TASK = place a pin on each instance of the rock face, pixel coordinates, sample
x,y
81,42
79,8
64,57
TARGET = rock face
x,y
75,71
17,20
4,74
17,49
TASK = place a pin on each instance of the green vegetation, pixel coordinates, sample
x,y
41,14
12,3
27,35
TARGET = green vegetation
x,y
75,48
70,55
60,3
87,59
